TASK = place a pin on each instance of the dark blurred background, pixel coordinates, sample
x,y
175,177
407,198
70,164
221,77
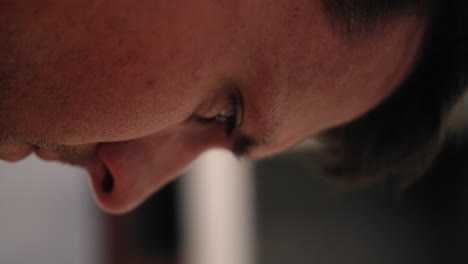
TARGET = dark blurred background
x,y
304,220
301,218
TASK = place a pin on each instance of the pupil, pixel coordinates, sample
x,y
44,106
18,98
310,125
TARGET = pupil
x,y
221,117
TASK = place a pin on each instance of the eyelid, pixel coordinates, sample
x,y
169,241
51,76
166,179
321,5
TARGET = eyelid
x,y
237,105
240,108
234,101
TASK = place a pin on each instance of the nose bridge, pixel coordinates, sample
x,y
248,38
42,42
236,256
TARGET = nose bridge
x,y
177,147
143,166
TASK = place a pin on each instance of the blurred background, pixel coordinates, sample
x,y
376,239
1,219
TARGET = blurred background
x,y
228,211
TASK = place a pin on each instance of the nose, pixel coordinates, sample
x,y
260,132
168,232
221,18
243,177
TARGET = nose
x,y
133,170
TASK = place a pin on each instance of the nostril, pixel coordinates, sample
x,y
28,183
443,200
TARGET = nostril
x,y
107,184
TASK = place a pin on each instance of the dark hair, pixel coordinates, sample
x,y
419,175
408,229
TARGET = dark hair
x,y
398,140
356,19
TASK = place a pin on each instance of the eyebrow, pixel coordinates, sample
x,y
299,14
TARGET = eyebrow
x,y
242,145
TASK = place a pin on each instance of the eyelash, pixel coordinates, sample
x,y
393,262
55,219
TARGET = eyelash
x,y
229,117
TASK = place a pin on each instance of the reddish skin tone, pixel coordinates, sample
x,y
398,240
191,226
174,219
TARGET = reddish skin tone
x,y
113,83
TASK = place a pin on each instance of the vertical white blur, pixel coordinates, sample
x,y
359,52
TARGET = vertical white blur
x,y
218,211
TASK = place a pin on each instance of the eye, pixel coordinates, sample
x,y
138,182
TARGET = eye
x,y
227,114
230,117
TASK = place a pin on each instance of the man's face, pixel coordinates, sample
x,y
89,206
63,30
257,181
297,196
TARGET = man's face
x,y
134,87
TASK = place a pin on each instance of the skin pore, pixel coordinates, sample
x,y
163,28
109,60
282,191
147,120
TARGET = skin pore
x,y
134,88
